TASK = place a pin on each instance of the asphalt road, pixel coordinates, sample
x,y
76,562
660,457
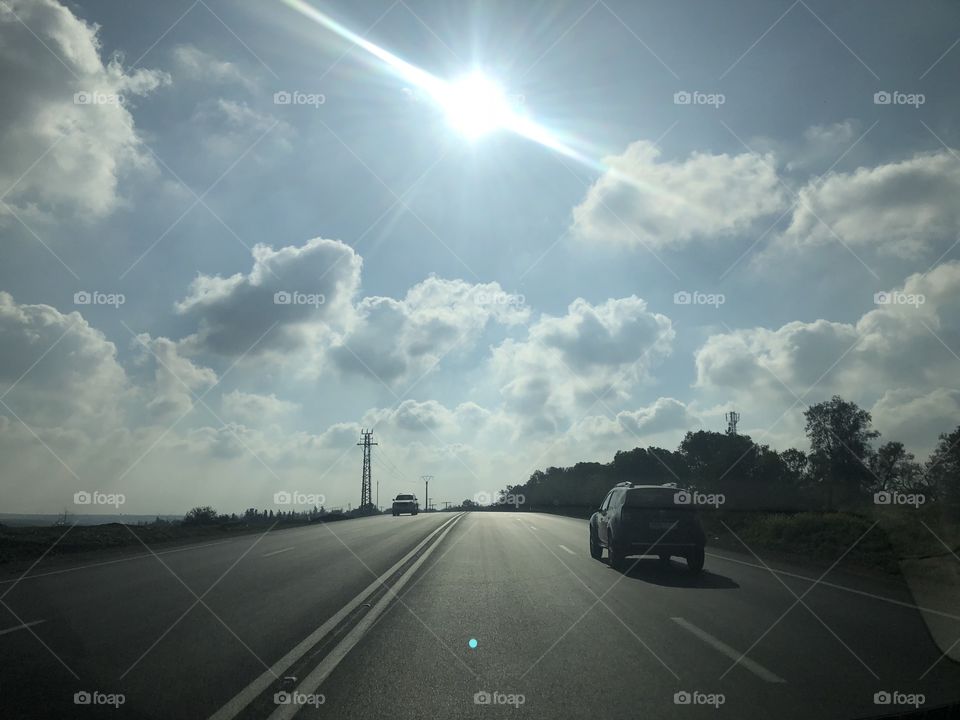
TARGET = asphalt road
x,y
558,634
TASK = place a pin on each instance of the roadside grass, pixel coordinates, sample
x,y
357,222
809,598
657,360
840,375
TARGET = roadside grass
x,y
26,543
824,537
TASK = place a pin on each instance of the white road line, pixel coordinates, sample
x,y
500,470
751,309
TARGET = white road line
x,y
754,667
21,627
277,552
533,527
320,673
568,549
242,699
864,593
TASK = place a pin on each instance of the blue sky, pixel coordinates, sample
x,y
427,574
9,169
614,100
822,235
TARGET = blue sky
x,y
491,305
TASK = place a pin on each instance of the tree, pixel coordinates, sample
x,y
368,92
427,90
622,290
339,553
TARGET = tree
x,y
943,467
201,515
892,467
840,435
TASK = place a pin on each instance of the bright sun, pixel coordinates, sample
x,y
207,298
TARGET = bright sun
x,y
476,105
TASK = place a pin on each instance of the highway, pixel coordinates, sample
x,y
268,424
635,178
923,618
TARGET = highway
x,y
210,630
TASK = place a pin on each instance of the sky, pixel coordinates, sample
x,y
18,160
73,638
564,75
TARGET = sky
x,y
234,234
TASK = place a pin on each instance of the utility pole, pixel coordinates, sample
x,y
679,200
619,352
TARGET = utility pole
x,y
378,496
365,500
426,500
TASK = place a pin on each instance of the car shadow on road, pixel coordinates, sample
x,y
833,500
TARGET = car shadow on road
x,y
675,574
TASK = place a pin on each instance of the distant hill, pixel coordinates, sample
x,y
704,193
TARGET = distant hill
x,y
14,520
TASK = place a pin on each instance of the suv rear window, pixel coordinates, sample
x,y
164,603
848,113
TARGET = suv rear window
x,y
652,498
404,497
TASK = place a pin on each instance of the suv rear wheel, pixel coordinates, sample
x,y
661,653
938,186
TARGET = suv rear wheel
x,y
695,560
596,551
614,555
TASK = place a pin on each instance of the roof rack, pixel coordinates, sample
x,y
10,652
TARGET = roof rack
x,y
624,484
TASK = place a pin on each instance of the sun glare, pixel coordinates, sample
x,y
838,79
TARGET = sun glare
x,y
475,105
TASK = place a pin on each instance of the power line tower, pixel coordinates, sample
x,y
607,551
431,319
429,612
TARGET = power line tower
x,y
365,495
426,482
732,419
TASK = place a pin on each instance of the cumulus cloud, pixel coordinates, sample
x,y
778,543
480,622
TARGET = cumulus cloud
x,y
176,379
56,371
400,340
899,208
642,200
898,355
566,362
289,298
664,415
253,408
66,110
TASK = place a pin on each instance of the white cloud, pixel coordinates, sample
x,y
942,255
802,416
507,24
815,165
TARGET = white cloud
x,y
234,312
255,409
641,200
192,63
899,209
897,356
176,379
89,147
632,426
400,340
568,362
63,373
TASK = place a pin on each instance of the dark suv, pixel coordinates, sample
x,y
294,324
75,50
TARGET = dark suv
x,y
647,520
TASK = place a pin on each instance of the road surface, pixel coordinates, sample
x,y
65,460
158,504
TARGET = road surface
x,y
375,617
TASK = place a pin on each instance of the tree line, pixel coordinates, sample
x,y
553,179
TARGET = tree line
x,y
841,471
